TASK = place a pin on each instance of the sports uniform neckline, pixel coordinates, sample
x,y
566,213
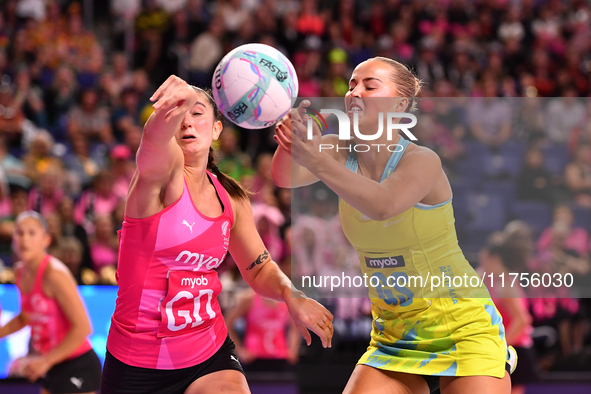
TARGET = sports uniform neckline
x,y
215,186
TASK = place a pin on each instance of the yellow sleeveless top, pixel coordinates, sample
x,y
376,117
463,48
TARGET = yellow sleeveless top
x,y
447,331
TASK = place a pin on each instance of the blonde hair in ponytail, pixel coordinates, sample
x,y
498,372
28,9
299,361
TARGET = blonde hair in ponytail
x,y
408,85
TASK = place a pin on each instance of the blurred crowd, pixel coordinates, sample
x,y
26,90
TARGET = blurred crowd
x,y
75,84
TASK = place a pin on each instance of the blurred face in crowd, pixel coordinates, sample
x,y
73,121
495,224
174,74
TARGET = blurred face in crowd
x,y
491,262
49,182
103,184
71,255
199,128
583,154
104,226
89,100
54,225
265,166
66,209
563,214
534,159
371,91
18,202
30,240
229,142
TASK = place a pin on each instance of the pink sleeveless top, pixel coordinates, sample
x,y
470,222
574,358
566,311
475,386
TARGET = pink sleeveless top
x,y
49,324
265,335
167,314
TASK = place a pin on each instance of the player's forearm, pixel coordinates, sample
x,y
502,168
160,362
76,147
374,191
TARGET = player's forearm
x,y
283,169
271,283
363,194
14,325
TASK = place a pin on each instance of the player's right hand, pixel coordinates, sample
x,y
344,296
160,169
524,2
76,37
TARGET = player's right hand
x,y
174,97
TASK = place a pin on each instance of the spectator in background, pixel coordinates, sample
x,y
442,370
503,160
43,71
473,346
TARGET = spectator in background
x,y
151,26
268,220
80,48
529,120
103,249
271,340
565,313
54,229
13,168
490,117
70,252
501,256
81,167
89,119
70,229
29,98
40,158
231,160
264,176
564,115
206,51
310,21
535,183
128,108
11,117
60,98
4,195
99,199
577,175
118,79
45,197
18,205
575,238
429,68
462,71
122,168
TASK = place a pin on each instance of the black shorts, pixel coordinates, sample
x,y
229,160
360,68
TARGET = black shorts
x,y
78,375
120,378
433,381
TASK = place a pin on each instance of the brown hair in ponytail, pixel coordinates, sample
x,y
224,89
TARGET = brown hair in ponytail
x,y
233,188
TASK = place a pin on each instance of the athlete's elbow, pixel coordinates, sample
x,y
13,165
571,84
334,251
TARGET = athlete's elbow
x,y
384,211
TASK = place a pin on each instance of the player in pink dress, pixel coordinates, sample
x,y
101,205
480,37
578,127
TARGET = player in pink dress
x,y
62,355
182,216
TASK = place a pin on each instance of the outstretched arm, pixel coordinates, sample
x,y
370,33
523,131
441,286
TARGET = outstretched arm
x,y
417,175
14,325
160,158
266,279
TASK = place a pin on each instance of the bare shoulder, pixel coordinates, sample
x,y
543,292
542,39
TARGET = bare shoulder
x,y
240,206
56,276
422,155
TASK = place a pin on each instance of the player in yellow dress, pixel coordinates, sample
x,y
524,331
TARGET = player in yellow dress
x,y
397,206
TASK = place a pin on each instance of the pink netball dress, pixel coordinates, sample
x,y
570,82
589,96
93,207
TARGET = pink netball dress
x,y
49,324
265,335
167,314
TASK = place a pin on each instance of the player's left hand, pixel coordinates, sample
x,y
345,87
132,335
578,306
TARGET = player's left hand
x,y
36,368
309,314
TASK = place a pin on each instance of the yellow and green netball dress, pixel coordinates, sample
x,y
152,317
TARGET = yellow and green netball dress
x,y
450,331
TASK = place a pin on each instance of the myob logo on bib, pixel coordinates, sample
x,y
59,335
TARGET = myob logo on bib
x,y
384,262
